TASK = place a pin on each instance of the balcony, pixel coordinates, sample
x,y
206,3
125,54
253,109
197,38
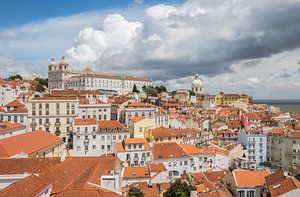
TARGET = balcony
x,y
57,124
47,124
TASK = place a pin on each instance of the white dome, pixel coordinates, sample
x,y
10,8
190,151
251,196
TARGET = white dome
x,y
53,63
197,82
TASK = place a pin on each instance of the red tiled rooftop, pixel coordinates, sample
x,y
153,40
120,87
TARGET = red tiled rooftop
x,y
136,119
8,126
15,103
136,172
85,121
167,150
23,143
247,178
109,124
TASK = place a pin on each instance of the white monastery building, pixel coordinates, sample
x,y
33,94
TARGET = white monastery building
x,y
60,76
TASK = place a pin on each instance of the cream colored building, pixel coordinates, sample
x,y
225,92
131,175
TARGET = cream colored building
x,y
53,114
62,77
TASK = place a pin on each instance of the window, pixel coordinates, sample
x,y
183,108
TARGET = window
x,y
94,147
141,129
78,148
94,137
78,129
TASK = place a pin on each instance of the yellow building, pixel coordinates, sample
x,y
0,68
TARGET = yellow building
x,y
230,99
139,125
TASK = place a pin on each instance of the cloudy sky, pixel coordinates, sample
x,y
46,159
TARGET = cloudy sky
x,y
237,46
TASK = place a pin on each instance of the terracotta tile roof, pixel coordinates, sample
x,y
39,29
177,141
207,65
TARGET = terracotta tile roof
x,y
215,176
27,165
149,191
136,172
247,178
283,186
109,124
136,119
85,121
135,141
205,187
199,178
76,176
220,192
157,167
18,110
87,101
54,98
275,177
167,150
10,126
193,150
119,147
23,143
294,134
29,186
1,109
15,103
252,116
141,105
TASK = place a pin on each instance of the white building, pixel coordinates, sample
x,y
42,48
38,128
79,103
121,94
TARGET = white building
x,y
256,144
139,109
92,137
14,111
8,129
134,151
94,108
53,114
61,77
197,85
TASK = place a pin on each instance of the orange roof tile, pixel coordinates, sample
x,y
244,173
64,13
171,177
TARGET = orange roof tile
x,y
23,143
192,150
136,172
18,110
136,119
9,126
283,186
27,165
15,103
29,186
141,105
247,178
109,124
157,167
134,141
85,121
167,150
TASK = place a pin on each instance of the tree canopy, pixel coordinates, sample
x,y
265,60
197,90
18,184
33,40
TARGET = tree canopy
x,y
135,192
179,189
15,77
160,89
41,84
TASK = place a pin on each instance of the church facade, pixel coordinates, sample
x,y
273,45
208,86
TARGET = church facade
x,y
60,76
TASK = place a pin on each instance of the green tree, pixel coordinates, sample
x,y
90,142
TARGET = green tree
x,y
15,77
135,192
179,189
160,89
298,176
135,89
41,84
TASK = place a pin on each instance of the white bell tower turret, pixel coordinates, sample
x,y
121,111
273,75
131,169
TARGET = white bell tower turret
x,y
197,85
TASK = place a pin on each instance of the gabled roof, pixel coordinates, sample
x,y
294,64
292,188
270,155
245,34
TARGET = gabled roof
x,y
15,103
109,124
23,143
27,165
193,150
136,119
10,126
85,121
136,172
247,178
29,186
18,110
168,150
